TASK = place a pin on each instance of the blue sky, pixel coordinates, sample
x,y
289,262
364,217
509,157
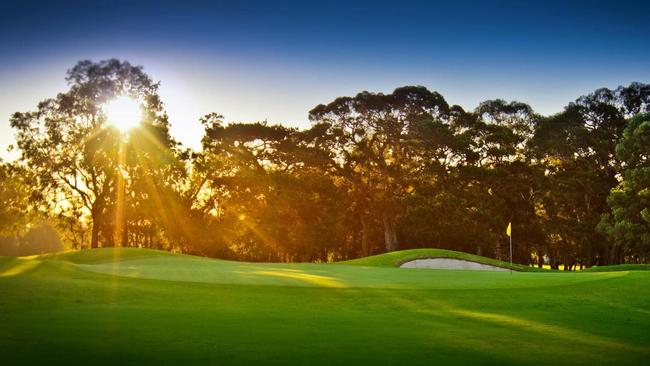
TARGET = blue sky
x,y
276,60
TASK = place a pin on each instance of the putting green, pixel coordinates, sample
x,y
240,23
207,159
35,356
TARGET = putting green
x,y
135,306
198,269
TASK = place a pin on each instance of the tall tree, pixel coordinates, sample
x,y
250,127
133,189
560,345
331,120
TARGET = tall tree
x,y
263,180
371,139
628,225
73,152
577,149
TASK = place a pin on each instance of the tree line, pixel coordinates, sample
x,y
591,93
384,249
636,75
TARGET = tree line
x,y
375,172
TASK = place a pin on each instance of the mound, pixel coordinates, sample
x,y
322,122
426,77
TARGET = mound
x,y
398,258
101,255
118,264
619,267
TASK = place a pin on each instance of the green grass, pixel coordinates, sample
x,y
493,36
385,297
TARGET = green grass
x,y
141,307
620,267
395,259
103,255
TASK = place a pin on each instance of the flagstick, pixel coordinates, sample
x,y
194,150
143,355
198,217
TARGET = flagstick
x,y
510,250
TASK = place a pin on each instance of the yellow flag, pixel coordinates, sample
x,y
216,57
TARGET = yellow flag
x,y
508,229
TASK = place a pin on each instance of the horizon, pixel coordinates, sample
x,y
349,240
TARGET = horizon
x,y
254,62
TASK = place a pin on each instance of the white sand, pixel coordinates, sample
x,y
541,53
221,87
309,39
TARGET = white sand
x,y
450,263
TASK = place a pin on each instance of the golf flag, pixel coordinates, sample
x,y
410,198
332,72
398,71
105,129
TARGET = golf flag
x,y
508,229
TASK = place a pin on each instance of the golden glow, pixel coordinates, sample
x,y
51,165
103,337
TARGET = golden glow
x,y
322,281
123,112
18,266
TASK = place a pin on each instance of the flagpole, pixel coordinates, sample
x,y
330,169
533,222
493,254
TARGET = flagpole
x,y
510,250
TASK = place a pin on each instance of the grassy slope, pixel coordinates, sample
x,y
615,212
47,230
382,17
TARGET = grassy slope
x,y
104,255
395,259
160,308
620,267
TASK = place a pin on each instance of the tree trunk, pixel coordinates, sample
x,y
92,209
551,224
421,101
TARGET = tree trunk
x,y
553,260
612,255
390,232
125,232
94,241
365,236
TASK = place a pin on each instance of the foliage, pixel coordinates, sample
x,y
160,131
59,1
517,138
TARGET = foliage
x,y
38,238
81,165
15,199
375,172
628,225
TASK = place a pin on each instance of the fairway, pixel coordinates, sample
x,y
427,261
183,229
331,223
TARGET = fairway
x,y
136,307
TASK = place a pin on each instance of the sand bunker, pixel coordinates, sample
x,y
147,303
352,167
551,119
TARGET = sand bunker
x,y
450,263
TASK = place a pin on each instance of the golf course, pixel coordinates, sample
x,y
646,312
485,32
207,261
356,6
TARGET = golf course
x,y
128,306
235,183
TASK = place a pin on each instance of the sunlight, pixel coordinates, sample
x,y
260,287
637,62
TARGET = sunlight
x,y
322,281
123,112
18,266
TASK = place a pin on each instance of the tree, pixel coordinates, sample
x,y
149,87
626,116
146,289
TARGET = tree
x,y
372,167
577,149
72,151
370,137
628,224
16,199
264,182
500,131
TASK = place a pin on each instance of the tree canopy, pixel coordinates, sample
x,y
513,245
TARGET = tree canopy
x,y
375,172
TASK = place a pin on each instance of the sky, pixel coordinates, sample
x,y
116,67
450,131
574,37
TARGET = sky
x,y
265,60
